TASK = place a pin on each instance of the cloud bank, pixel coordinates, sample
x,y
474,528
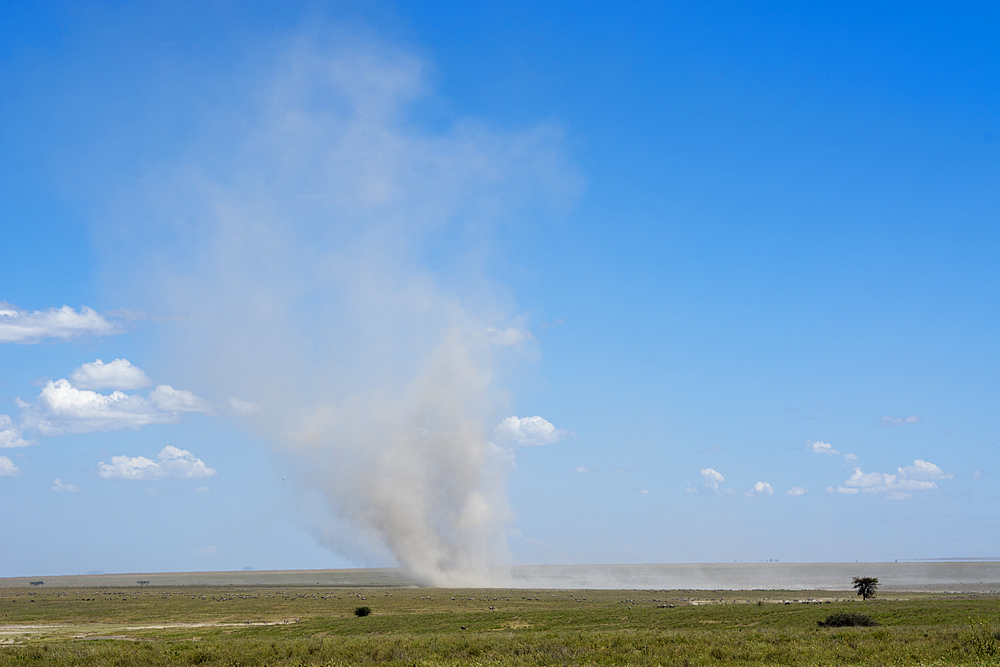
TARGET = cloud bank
x,y
332,259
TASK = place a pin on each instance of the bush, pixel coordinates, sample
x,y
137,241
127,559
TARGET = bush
x,y
848,619
985,640
362,611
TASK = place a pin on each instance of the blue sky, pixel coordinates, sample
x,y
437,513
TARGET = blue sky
x,y
452,285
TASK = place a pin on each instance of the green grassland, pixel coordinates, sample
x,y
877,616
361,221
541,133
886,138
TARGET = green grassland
x,y
311,625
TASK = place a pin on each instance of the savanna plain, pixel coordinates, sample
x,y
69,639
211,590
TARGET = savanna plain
x,y
318,625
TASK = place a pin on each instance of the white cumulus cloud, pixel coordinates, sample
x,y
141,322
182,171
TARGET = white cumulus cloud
x,y
172,462
760,489
529,432
117,374
62,408
921,476
796,491
924,470
820,447
7,468
21,326
711,479
10,435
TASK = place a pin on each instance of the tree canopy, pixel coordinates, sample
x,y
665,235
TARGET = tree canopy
x,y
866,586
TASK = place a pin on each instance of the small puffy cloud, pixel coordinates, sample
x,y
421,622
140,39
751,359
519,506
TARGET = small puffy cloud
x,y
899,421
977,474
57,485
583,470
172,462
7,468
924,470
921,476
10,436
760,489
711,479
851,457
21,326
203,489
62,408
820,447
117,374
796,491
507,337
529,432
644,492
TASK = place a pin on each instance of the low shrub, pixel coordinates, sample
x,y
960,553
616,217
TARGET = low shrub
x,y
848,619
362,611
985,639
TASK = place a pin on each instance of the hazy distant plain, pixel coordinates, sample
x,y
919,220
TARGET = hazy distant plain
x,y
910,576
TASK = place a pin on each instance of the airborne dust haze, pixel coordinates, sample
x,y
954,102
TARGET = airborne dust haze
x,y
326,254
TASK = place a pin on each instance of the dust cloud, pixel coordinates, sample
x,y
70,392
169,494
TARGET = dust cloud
x,y
324,250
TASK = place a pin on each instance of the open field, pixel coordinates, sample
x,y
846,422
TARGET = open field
x,y
963,576
315,625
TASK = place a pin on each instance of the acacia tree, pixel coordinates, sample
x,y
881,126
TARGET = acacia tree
x,y
866,586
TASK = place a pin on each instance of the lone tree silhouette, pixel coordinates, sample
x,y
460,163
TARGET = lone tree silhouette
x,y
866,586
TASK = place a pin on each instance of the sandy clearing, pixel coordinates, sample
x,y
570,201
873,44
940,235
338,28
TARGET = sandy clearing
x,y
106,629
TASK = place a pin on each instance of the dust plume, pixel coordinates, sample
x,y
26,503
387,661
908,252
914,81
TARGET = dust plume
x,y
326,249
